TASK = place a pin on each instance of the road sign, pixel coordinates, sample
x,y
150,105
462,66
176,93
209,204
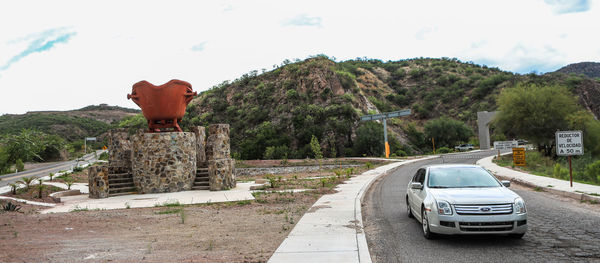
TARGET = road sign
x,y
519,156
569,143
385,115
505,145
90,138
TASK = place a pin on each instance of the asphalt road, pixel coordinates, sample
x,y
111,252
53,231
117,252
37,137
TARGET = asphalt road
x,y
560,229
45,170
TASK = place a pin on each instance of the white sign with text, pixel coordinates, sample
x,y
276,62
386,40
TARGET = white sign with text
x,y
569,143
505,145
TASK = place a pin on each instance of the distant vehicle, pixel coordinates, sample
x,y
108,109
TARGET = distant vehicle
x,y
464,199
464,147
522,142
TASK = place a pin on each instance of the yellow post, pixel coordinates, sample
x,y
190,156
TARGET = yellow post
x,y
433,142
387,150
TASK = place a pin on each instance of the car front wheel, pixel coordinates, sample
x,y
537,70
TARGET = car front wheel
x,y
425,222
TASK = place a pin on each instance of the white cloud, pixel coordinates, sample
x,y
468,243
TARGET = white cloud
x,y
119,43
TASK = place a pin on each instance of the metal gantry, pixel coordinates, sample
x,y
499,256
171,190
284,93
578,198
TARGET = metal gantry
x,y
384,116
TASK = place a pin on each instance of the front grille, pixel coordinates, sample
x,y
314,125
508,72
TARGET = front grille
x,y
498,209
486,226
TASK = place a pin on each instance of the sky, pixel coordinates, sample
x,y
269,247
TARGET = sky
x,y
64,55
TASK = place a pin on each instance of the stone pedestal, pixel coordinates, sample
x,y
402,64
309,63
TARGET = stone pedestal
x,y
221,168
98,181
221,174
200,132
164,162
119,151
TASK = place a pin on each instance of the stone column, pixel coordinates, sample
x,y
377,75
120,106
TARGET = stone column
x,y
221,174
119,151
200,132
164,162
483,126
98,181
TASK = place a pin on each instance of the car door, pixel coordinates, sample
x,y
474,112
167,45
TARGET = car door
x,y
419,194
414,198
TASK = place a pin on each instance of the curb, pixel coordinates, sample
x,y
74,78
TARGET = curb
x,y
363,249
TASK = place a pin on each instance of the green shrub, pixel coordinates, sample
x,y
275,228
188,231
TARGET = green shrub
x,y
444,150
19,165
593,171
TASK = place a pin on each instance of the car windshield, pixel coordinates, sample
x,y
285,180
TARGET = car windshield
x,y
460,177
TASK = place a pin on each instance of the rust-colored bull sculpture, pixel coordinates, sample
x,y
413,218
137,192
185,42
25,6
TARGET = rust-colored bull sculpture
x,y
164,105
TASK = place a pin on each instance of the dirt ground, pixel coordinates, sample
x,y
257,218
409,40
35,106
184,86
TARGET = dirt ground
x,y
246,231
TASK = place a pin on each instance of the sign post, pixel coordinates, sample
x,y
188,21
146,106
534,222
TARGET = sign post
x,y
383,117
569,143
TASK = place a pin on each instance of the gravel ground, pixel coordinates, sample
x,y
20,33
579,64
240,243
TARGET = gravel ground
x,y
560,229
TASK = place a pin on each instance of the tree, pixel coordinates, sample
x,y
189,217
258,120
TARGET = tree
x,y
585,122
315,147
369,139
535,113
447,132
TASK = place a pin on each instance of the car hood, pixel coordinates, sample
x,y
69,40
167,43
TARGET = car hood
x,y
464,196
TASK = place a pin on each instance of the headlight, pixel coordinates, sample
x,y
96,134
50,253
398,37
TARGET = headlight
x,y
444,208
520,206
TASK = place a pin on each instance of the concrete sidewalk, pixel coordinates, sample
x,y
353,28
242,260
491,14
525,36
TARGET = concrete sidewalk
x,y
578,191
332,230
70,203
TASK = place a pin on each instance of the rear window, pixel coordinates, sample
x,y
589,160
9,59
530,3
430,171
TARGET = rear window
x,y
460,177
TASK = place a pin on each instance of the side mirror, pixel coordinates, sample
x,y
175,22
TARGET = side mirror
x,y
416,186
505,183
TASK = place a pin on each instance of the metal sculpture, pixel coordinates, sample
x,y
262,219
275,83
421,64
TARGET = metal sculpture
x,y
163,106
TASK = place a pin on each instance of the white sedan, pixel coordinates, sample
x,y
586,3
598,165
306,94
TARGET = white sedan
x,y
464,199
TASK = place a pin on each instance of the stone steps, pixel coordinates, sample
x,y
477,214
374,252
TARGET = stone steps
x,y
121,184
201,180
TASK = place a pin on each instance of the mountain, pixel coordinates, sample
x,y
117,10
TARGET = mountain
x,y
276,113
589,69
70,125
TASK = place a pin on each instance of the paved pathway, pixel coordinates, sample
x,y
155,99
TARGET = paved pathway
x,y
70,203
331,231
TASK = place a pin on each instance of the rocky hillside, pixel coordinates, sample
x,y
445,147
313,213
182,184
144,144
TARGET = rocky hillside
x,y
70,125
283,108
589,69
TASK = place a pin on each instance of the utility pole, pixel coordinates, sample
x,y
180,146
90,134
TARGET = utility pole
x,y
383,117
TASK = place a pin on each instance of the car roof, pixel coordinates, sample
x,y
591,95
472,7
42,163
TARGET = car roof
x,y
452,165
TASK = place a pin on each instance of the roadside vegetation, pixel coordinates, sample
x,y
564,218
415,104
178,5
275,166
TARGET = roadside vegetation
x,y
535,111
586,169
